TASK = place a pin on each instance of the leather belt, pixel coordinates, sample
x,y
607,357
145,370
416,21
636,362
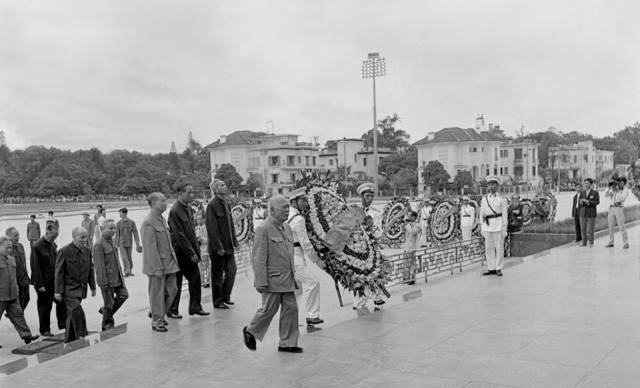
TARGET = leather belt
x,y
466,215
494,215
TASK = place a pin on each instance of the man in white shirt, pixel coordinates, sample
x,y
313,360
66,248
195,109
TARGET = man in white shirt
x,y
259,213
425,216
303,252
467,218
618,195
493,215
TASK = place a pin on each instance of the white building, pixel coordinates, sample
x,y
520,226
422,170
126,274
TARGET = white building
x,y
279,159
604,163
580,160
519,162
352,154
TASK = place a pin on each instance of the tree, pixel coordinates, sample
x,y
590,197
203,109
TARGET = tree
x,y
629,139
435,176
405,180
391,164
388,135
230,176
255,182
463,178
331,145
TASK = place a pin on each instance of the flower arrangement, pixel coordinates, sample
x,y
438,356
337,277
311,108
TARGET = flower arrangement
x,y
241,214
633,178
359,266
394,232
444,223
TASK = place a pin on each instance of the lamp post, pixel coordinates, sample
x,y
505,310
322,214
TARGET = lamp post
x,y
373,67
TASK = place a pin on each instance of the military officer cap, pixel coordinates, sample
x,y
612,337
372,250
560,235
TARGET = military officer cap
x,y
465,198
297,193
363,188
493,178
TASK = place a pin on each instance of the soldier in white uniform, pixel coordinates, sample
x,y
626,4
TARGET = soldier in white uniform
x,y
259,213
493,214
467,218
425,215
303,253
373,220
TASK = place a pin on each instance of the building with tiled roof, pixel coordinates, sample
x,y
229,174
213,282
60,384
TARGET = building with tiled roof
x,y
280,159
352,153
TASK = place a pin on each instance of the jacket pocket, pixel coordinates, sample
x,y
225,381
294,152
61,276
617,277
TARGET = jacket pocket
x,y
273,273
276,239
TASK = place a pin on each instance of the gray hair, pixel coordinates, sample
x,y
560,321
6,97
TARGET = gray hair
x,y
10,231
77,230
276,199
214,184
107,221
153,197
4,239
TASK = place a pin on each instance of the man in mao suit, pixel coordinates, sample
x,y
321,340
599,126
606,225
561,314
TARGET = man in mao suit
x,y
22,276
74,271
274,278
222,244
589,200
575,212
109,274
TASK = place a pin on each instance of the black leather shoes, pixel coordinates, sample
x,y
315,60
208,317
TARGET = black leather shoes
x,y
499,273
201,312
290,349
314,321
27,340
161,329
492,272
249,339
174,316
47,334
220,305
230,303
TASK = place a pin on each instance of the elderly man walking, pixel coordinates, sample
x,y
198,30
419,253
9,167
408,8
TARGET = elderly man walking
x,y
126,233
159,261
222,244
109,274
274,278
185,243
43,265
74,271
9,292
17,251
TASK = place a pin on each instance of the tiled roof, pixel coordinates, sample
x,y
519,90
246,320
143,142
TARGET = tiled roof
x,y
457,135
239,138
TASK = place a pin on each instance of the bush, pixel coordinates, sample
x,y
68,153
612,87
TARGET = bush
x,y
631,214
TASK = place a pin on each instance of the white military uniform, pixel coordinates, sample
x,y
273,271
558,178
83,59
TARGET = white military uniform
x,y
302,253
425,215
494,206
258,215
467,218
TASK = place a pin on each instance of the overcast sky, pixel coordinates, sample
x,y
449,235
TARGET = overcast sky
x,y
137,74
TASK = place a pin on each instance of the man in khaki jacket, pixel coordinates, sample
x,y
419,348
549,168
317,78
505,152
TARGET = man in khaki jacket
x,y
274,273
159,261
109,275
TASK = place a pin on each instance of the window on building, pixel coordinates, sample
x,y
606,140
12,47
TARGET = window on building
x,y
517,171
495,154
254,162
575,159
501,171
533,170
306,160
495,171
364,161
517,153
533,153
443,157
293,178
274,178
506,171
291,160
299,159
330,162
488,172
504,153
473,149
313,160
274,160
355,158
482,149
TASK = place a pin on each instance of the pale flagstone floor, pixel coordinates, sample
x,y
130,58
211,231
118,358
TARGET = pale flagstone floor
x,y
570,318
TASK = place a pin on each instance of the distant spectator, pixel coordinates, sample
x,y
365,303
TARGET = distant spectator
x,y
88,225
51,219
618,194
101,216
33,231
575,211
126,233
589,200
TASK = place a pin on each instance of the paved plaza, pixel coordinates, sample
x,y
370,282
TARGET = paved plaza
x,y
567,318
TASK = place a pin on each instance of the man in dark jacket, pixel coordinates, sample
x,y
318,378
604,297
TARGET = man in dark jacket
x,y
109,274
222,243
589,200
33,231
43,265
575,212
17,251
74,270
185,243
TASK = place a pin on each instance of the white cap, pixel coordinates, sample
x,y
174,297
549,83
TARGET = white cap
x,y
493,178
363,188
302,191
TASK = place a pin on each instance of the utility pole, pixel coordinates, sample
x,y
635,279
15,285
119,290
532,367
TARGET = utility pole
x,y
373,67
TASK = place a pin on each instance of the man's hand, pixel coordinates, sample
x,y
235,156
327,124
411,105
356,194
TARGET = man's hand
x,y
58,297
139,249
261,289
93,292
42,289
194,258
220,252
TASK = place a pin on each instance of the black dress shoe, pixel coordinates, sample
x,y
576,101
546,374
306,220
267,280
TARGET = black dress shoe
x,y
220,305
161,329
314,321
230,303
201,312
249,339
47,334
290,349
499,273
101,311
27,340
379,302
174,316
491,272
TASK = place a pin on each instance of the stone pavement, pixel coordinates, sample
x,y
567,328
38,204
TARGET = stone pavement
x,y
570,318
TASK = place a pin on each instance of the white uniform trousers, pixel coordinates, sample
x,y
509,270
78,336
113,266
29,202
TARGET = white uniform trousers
x,y
309,288
466,232
494,250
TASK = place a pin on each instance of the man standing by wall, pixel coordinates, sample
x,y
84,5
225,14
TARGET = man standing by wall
x,y
43,265
74,271
493,214
274,274
17,251
575,212
159,261
109,274
617,197
126,233
222,244
33,231
88,225
185,244
589,200
9,292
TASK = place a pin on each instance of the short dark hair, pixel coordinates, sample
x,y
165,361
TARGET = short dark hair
x,y
412,213
589,180
33,216
124,210
52,227
102,210
183,187
623,180
99,206
50,212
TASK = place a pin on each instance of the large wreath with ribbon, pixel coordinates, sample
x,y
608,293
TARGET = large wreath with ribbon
x,y
357,264
242,217
392,223
444,223
633,178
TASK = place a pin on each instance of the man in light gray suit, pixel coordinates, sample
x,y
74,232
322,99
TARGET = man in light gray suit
x,y
274,275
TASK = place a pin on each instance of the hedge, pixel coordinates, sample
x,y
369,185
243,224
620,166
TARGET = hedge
x,y
632,213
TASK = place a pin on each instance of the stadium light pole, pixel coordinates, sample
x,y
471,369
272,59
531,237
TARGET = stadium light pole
x,y
374,67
